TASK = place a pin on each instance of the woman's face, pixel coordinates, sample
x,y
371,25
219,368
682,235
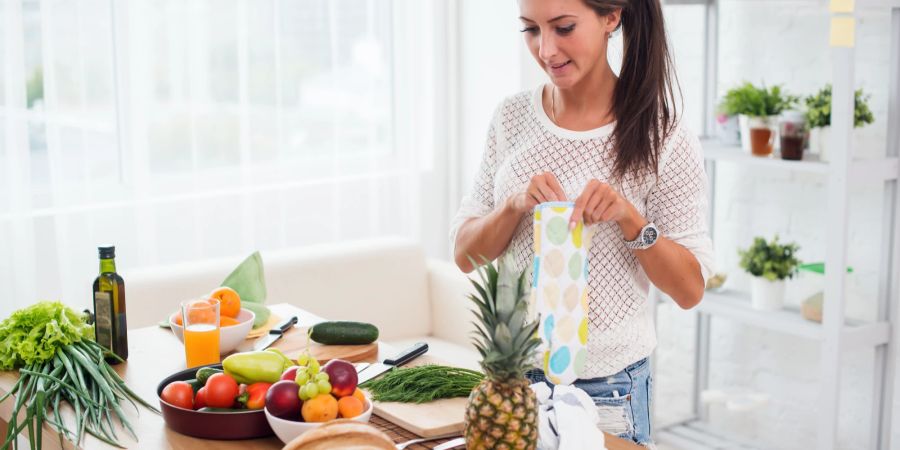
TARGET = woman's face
x,y
566,37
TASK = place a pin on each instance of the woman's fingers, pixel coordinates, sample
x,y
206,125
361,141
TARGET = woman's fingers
x,y
578,212
603,210
600,194
545,184
557,188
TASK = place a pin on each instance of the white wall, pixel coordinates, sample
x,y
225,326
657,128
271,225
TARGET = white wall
x,y
779,42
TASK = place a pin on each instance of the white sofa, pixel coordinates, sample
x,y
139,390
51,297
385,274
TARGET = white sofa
x,y
387,282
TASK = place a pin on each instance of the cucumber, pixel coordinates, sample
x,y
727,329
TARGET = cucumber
x,y
343,333
204,373
195,385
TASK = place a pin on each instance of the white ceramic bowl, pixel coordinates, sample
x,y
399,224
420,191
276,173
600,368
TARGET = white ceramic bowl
x,y
229,337
287,430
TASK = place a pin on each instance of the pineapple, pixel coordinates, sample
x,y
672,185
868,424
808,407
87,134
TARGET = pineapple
x,y
502,410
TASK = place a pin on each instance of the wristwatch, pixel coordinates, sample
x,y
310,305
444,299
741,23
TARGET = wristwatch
x,y
645,239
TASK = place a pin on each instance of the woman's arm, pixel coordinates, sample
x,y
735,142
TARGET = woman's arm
x,y
488,236
669,266
485,237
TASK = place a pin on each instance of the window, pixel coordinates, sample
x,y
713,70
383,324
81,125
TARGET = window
x,y
192,129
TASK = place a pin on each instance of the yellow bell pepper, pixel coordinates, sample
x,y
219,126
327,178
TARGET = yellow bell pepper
x,y
252,367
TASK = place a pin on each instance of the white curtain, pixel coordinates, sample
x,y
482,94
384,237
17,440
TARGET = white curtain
x,y
182,130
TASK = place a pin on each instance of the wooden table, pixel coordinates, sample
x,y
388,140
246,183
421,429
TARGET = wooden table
x,y
155,353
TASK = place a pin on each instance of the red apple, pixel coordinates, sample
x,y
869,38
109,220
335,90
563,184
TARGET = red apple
x,y
290,373
282,400
342,376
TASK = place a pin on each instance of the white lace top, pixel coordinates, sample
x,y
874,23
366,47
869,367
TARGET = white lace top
x,y
522,142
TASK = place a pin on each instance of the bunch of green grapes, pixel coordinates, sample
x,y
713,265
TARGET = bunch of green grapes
x,y
311,381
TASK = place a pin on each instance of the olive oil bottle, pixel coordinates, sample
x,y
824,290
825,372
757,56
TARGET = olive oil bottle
x,y
110,328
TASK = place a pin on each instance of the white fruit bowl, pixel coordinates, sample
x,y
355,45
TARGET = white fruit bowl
x,y
229,337
288,430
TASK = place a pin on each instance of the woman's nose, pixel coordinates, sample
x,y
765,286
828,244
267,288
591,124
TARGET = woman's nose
x,y
548,47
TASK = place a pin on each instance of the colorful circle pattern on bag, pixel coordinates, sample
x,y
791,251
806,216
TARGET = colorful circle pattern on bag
x,y
560,290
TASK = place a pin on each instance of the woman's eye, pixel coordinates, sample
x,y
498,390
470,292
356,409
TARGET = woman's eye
x,y
562,31
529,30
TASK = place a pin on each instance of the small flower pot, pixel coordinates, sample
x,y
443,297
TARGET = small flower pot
x,y
766,295
728,130
818,142
744,131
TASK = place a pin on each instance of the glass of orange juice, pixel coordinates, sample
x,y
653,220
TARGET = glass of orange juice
x,y
201,331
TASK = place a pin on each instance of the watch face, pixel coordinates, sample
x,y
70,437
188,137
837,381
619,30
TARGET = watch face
x,y
649,236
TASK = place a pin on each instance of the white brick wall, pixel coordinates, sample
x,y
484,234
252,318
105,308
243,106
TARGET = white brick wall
x,y
780,42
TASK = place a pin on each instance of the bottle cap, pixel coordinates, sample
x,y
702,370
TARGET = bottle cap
x,y
108,252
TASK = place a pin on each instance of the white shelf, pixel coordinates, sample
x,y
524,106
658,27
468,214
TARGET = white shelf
x,y
735,305
841,176
716,151
863,170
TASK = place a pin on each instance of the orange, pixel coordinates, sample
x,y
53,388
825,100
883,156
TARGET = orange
x,y
177,319
359,394
229,301
226,321
350,407
320,408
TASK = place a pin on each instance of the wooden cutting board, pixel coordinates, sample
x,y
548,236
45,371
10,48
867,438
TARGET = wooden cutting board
x,y
437,418
294,342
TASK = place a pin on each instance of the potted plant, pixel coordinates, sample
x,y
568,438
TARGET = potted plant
x,y
757,109
818,117
770,263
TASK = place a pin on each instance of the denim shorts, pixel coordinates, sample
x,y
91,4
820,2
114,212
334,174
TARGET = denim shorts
x,y
623,400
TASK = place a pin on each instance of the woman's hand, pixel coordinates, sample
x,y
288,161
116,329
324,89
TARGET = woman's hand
x,y
599,202
542,188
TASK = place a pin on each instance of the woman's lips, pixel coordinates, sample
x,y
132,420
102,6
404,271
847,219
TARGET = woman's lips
x,y
559,69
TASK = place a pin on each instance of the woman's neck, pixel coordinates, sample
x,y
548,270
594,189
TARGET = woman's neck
x,y
588,104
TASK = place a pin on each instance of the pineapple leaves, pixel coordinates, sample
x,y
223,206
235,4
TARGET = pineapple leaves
x,y
507,291
518,319
503,338
502,334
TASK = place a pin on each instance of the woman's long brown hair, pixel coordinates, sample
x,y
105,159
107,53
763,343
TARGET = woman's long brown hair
x,y
644,97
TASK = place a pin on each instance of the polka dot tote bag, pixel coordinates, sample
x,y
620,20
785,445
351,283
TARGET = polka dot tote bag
x,y
559,290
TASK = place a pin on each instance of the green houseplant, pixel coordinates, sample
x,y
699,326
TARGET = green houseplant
x,y
756,109
756,101
769,263
818,108
818,116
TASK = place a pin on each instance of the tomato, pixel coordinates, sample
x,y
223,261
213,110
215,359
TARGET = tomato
x,y
221,391
200,399
178,393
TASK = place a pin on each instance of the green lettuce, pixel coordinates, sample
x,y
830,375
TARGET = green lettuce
x,y
34,334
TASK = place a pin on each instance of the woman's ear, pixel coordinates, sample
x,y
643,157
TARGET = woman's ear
x,y
613,20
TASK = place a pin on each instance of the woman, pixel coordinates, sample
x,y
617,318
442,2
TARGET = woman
x,y
613,145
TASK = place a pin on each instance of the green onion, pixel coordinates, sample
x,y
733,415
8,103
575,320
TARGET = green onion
x,y
64,366
423,384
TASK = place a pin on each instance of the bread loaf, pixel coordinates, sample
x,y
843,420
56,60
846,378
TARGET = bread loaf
x,y
342,434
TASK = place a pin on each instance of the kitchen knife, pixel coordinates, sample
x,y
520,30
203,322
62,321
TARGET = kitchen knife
x,y
275,333
376,369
